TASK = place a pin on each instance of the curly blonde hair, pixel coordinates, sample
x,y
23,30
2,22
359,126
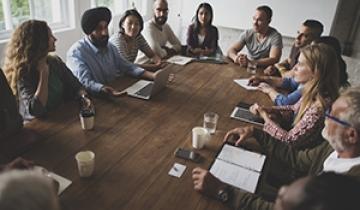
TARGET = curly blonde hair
x,y
29,42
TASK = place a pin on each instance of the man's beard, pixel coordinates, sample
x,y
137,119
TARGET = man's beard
x,y
335,141
160,20
100,43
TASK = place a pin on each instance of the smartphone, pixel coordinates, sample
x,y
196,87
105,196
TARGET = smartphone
x,y
187,155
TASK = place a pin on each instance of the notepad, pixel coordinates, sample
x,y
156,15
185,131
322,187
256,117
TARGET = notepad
x,y
180,60
238,167
244,83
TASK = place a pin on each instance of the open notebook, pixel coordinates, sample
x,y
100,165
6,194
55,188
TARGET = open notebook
x,y
238,167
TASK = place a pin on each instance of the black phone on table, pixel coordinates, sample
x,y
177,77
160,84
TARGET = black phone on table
x,y
187,155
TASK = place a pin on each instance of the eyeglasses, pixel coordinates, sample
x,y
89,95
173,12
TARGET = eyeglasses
x,y
341,122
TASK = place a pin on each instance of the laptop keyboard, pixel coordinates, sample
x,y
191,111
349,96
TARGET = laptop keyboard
x,y
145,91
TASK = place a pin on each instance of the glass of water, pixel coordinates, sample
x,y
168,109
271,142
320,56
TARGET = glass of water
x,y
251,67
210,121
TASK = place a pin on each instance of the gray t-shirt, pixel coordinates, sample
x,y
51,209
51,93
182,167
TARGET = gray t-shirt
x,y
256,49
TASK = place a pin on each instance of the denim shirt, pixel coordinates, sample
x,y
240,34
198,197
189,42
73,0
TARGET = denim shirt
x,y
293,96
95,67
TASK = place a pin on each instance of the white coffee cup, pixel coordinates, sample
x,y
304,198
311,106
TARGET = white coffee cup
x,y
85,162
87,120
200,136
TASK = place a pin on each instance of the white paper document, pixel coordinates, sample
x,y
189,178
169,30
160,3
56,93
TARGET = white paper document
x,y
244,83
177,170
180,60
63,182
238,167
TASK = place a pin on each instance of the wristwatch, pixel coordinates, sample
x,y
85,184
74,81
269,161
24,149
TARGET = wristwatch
x,y
224,194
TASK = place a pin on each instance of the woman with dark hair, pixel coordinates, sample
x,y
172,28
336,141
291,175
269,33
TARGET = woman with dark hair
x,y
335,44
40,81
202,36
129,40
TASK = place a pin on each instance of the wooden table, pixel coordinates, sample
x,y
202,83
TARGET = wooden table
x,y
134,141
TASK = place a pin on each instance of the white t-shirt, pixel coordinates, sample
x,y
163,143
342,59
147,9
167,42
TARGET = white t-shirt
x,y
339,165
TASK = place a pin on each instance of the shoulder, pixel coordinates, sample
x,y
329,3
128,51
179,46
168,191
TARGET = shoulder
x,y
274,32
78,46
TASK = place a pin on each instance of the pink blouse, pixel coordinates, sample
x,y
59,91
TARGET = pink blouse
x,y
303,132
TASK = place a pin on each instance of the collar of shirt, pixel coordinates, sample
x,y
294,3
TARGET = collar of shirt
x,y
94,48
339,165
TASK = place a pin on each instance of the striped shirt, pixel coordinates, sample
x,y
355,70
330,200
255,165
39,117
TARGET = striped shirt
x,y
130,51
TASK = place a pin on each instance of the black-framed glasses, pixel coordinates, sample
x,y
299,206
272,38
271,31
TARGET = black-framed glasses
x,y
341,122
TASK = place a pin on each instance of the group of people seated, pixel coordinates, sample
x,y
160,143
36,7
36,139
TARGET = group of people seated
x,y
312,130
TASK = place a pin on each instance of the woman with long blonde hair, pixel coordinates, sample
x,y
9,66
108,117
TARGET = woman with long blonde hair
x,y
39,81
317,70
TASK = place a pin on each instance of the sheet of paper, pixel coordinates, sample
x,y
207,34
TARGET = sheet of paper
x,y
177,170
234,175
180,60
63,182
246,159
244,83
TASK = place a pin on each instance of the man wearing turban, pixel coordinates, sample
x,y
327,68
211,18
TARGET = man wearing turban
x,y
94,61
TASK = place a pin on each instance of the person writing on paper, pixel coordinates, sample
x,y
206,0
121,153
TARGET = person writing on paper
x,y
129,40
339,153
40,81
309,31
263,43
94,61
202,36
267,83
317,70
159,35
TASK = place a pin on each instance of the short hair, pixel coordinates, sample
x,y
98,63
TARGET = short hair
x,y
128,13
316,27
26,190
267,10
330,191
352,96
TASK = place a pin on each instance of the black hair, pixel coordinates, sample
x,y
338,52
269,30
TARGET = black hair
x,y
316,27
197,24
267,10
130,12
330,191
335,44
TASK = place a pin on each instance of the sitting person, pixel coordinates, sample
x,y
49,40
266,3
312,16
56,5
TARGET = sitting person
x,y
27,190
289,83
202,36
263,43
10,119
335,44
317,71
340,153
40,81
94,61
129,40
327,191
309,31
159,35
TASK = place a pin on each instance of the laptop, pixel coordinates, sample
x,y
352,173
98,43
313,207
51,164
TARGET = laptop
x,y
145,89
